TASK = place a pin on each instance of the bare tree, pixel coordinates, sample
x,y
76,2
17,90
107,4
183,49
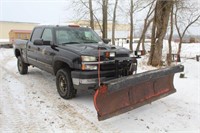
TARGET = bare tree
x,y
80,12
114,22
160,23
186,14
169,55
105,18
83,8
91,15
131,25
134,6
147,23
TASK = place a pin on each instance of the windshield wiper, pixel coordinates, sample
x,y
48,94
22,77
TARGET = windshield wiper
x,y
71,43
90,42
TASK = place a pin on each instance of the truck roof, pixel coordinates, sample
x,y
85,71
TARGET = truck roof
x,y
62,25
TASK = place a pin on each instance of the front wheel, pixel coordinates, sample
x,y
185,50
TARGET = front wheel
x,y
64,84
22,67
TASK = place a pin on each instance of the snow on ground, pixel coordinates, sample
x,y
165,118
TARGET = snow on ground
x,y
4,41
30,103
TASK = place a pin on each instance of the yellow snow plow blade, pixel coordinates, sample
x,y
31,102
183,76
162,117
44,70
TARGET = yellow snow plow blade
x,y
120,95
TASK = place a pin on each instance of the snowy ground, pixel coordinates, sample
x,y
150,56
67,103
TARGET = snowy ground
x,y
30,103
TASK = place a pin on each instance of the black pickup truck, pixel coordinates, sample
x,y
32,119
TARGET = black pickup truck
x,y
76,55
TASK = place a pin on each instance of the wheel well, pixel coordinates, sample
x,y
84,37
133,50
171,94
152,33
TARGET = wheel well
x,y
58,65
17,53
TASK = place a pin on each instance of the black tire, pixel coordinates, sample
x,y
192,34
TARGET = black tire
x,y
22,67
64,84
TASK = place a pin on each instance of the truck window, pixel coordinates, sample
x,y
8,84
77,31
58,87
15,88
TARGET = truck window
x,y
47,35
62,36
79,35
36,34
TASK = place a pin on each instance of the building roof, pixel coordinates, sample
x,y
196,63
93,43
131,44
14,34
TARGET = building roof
x,y
21,31
18,22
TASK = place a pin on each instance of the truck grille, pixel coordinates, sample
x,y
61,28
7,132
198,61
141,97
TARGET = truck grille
x,y
105,67
122,55
112,66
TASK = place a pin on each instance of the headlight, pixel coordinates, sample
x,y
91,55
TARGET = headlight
x,y
88,67
112,54
88,58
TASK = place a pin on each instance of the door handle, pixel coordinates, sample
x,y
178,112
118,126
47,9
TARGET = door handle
x,y
29,47
38,49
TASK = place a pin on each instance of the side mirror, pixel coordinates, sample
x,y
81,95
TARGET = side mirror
x,y
41,42
106,41
38,42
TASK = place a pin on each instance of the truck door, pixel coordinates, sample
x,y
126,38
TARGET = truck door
x,y
31,48
45,52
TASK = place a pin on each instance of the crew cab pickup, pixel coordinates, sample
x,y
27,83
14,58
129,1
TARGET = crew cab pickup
x,y
78,57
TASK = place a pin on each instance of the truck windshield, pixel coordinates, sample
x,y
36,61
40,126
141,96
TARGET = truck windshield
x,y
76,35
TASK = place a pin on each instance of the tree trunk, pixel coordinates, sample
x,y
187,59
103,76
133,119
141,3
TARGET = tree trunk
x,y
114,22
161,18
153,38
105,18
143,44
180,46
169,56
91,15
131,27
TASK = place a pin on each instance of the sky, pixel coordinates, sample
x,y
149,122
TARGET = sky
x,y
40,11
48,11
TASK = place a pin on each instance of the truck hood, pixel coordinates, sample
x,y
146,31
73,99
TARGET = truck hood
x,y
92,48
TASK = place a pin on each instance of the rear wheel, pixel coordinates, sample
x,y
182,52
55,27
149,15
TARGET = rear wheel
x,y
22,67
64,84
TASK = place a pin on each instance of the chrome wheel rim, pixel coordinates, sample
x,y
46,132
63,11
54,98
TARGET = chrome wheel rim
x,y
62,84
20,65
